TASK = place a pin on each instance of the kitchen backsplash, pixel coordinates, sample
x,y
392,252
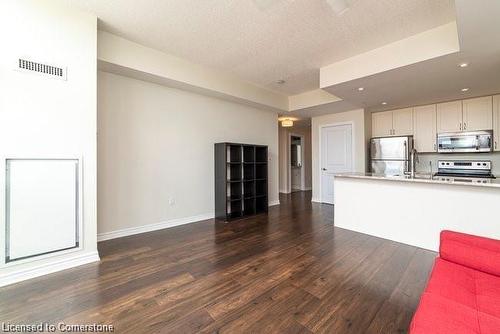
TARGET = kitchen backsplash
x,y
425,158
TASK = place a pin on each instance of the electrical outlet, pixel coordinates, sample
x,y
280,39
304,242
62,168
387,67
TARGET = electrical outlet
x,y
171,201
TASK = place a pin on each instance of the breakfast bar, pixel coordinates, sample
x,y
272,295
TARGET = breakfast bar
x,y
413,210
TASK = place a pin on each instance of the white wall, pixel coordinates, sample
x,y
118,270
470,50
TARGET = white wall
x,y
359,133
155,144
41,117
284,151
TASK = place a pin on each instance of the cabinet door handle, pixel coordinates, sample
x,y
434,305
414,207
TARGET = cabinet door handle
x,y
465,126
496,145
434,146
460,126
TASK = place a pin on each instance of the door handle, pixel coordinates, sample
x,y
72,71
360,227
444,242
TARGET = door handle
x,y
323,168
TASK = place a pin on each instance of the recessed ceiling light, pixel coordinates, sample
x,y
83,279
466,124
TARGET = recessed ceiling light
x,y
384,103
361,89
280,82
463,65
465,89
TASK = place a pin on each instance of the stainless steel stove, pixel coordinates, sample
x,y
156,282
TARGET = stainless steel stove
x,y
474,171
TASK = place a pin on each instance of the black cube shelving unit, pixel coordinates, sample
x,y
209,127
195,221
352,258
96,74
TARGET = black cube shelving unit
x,y
240,180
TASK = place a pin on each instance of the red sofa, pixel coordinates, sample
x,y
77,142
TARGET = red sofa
x,y
463,292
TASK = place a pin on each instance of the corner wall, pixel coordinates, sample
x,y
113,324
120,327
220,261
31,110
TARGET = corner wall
x,y
156,153
358,117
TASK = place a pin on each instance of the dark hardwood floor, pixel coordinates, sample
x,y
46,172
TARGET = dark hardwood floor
x,y
289,272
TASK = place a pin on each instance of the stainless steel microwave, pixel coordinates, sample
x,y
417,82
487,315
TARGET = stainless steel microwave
x,y
465,142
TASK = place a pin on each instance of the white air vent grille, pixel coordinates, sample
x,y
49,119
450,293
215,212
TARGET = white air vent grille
x,y
43,69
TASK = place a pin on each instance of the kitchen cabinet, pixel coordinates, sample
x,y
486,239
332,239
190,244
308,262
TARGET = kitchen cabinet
x,y
496,122
425,128
449,116
402,122
392,123
477,114
382,124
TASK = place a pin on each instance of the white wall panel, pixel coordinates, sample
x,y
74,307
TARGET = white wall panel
x,y
42,207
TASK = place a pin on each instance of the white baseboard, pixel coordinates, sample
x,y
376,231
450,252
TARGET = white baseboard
x,y
273,203
152,227
159,226
48,268
316,200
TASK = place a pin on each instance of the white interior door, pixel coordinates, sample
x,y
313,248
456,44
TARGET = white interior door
x,y
336,157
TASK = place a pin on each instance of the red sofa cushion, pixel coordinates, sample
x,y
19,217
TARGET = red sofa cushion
x,y
471,251
439,315
458,300
463,292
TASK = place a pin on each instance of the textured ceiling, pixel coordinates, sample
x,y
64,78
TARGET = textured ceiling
x,y
283,39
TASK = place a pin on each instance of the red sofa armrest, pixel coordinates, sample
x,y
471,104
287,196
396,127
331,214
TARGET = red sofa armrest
x,y
471,251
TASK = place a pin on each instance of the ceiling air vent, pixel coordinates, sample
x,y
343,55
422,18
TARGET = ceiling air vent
x,y
43,69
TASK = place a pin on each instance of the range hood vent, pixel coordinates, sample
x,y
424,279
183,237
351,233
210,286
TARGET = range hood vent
x,y
43,69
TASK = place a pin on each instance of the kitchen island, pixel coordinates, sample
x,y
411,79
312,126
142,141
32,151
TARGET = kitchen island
x,y
414,210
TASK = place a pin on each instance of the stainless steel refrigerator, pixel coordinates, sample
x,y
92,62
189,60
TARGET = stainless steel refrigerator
x,y
390,155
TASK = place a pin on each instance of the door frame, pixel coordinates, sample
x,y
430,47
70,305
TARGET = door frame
x,y
321,129
289,162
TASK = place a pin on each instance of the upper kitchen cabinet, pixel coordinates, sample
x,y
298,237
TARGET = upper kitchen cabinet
x,y
424,128
477,114
392,123
382,124
449,116
402,122
496,122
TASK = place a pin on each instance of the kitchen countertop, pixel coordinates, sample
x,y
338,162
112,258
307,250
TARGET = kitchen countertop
x,y
419,178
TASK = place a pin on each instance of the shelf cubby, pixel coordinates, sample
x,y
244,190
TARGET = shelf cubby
x,y
248,171
261,204
260,187
249,206
261,171
248,189
260,154
235,209
233,153
248,153
234,190
234,172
